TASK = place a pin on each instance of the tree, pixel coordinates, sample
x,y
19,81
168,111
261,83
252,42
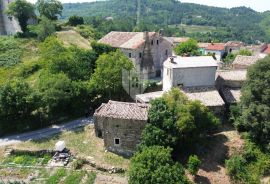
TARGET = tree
x,y
107,78
174,120
17,100
45,28
154,165
193,164
75,20
50,8
101,48
255,102
189,48
23,11
245,52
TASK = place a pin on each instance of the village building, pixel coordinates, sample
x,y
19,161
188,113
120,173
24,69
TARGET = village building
x,y
234,46
243,62
147,50
189,72
202,47
266,51
229,84
177,40
217,49
195,76
120,125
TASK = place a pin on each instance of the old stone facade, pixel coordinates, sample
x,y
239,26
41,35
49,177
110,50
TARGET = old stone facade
x,y
147,50
120,125
8,25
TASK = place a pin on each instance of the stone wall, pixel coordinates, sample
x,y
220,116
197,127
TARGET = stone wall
x,y
9,24
128,132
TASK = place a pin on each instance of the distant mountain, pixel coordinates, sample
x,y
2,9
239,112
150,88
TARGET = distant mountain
x,y
236,23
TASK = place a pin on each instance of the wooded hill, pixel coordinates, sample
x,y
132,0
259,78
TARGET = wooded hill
x,y
239,23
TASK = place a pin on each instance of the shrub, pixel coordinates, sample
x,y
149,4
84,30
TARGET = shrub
x,y
78,164
193,164
235,167
75,20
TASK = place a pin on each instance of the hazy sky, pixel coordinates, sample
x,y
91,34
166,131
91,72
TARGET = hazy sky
x,y
259,5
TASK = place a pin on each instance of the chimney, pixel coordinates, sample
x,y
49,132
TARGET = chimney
x,y
146,35
161,32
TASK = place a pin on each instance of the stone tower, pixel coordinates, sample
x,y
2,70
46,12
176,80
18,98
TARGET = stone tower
x,y
147,65
8,25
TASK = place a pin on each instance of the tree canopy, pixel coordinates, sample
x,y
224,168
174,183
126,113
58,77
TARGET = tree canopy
x,y
154,165
189,48
174,120
50,8
21,10
255,102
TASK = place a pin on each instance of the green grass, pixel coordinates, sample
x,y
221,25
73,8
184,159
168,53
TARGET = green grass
x,y
91,178
74,177
56,178
71,37
195,28
27,160
82,143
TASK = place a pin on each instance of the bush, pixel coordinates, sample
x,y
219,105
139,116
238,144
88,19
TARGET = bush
x,y
154,165
235,167
193,164
78,164
75,20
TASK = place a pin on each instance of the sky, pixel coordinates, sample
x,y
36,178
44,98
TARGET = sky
x,y
258,5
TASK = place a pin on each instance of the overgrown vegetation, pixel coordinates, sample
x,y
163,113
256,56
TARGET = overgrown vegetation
x,y
252,116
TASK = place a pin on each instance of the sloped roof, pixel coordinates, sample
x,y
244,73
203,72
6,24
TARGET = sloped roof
x,y
203,45
128,40
123,110
245,60
147,97
216,46
267,50
177,39
233,75
234,44
209,96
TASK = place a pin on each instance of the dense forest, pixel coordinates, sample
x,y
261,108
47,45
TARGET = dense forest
x,y
239,23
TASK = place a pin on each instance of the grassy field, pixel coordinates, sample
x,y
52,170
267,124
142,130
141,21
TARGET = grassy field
x,y
71,37
195,28
82,143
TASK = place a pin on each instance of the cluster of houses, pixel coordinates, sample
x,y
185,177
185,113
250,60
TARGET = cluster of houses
x,y
201,78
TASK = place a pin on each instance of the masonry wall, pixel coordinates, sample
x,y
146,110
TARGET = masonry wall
x,y
127,131
10,24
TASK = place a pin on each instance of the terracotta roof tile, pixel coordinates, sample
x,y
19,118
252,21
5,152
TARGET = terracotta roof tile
x,y
128,40
267,51
216,46
203,45
234,44
123,110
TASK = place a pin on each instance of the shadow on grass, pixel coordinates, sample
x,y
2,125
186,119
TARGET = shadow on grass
x,y
201,180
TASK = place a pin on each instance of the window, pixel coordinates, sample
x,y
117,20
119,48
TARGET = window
x,y
166,52
157,42
129,55
140,55
116,141
158,73
152,42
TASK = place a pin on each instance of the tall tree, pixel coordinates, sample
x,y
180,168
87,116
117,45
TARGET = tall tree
x,y
22,10
154,165
50,8
189,47
255,102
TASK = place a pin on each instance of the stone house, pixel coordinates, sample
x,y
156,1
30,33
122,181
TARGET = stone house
x,y
195,76
229,84
177,40
147,50
202,47
234,46
217,49
120,125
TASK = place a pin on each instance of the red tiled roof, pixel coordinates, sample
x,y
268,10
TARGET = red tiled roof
x,y
267,51
203,45
128,40
216,46
234,44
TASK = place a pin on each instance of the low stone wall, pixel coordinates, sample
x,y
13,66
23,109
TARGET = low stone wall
x,y
30,152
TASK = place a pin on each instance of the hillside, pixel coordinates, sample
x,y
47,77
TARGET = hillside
x,y
232,24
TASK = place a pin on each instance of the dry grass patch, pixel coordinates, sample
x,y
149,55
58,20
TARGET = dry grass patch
x,y
71,37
